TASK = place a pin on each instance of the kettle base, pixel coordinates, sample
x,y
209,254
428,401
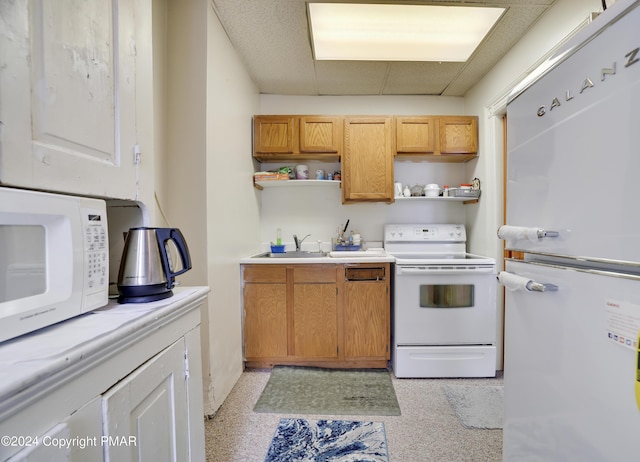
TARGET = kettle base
x,y
143,294
144,298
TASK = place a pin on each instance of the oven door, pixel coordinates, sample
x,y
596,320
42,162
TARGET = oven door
x,y
444,305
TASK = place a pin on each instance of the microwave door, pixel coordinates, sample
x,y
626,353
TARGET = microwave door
x,y
22,262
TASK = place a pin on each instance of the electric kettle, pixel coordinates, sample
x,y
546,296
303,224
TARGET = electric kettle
x,y
146,271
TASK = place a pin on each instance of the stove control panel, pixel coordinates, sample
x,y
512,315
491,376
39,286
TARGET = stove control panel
x,y
424,232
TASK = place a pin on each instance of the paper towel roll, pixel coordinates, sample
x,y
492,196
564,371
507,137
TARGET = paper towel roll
x,y
513,282
515,233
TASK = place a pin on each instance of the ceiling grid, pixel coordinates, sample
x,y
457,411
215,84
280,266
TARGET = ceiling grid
x,y
272,39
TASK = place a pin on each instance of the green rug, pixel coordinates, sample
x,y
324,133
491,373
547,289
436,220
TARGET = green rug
x,y
308,390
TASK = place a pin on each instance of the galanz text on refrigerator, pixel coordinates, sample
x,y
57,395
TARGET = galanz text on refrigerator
x,y
631,58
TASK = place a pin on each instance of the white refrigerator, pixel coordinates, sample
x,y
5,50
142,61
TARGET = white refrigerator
x,y
572,309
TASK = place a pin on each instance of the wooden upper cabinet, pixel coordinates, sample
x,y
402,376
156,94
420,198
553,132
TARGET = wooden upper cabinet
x,y
273,134
437,138
416,134
320,134
367,161
458,135
278,138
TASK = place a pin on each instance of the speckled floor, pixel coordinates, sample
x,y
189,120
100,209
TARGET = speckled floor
x,y
428,429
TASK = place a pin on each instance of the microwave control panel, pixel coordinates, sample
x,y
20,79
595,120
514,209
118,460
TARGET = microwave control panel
x,y
96,249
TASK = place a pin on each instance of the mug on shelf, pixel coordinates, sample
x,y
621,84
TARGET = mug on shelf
x,y
302,172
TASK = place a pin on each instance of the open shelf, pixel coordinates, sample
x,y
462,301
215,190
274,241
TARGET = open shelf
x,y
295,183
466,200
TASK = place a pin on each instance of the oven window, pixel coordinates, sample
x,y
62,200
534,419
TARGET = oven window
x,y
22,261
446,295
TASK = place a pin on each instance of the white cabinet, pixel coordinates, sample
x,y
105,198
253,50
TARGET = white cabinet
x,y
83,426
121,384
148,411
68,88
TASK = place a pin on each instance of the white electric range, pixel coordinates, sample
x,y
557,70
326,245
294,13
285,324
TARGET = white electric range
x,y
444,303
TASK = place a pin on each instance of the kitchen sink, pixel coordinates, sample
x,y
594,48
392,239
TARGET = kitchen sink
x,y
292,254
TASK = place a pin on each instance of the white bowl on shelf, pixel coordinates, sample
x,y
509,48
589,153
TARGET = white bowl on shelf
x,y
432,190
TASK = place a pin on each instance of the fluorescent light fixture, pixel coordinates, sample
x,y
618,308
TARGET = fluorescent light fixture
x,y
384,32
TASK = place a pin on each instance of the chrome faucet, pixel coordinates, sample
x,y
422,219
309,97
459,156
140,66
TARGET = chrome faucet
x,y
299,242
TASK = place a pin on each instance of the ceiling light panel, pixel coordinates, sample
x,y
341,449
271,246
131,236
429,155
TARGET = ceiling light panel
x,y
383,32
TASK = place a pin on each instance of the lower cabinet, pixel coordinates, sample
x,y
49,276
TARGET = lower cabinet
x,y
146,414
138,398
367,315
315,313
311,314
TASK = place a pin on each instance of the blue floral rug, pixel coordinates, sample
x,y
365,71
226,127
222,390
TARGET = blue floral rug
x,y
328,441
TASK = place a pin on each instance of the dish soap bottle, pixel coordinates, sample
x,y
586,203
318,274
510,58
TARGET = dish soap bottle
x,y
278,237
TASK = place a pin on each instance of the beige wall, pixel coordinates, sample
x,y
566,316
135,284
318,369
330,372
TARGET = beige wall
x,y
204,181
233,209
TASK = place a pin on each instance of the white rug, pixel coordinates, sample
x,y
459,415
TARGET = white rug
x,y
477,406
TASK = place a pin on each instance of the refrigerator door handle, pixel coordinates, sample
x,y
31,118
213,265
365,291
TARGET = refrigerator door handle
x,y
514,282
540,287
513,233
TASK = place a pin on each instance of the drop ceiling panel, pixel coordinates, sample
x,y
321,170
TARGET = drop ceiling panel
x,y
417,78
350,77
272,39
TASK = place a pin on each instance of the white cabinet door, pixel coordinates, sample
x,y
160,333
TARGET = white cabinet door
x,y
146,414
44,448
68,92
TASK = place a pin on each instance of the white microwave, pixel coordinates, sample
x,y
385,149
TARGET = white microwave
x,y
54,259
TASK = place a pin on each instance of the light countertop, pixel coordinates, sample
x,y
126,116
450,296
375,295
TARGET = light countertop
x,y
30,358
335,258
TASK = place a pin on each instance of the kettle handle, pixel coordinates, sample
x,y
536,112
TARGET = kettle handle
x,y
173,234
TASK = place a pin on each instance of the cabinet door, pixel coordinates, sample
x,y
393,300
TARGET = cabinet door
x,y
265,311
367,163
366,320
320,134
458,135
314,325
68,92
415,135
315,329
146,414
274,134
265,320
37,451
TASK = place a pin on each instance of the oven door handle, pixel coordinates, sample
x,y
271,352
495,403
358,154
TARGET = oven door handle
x,y
426,270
